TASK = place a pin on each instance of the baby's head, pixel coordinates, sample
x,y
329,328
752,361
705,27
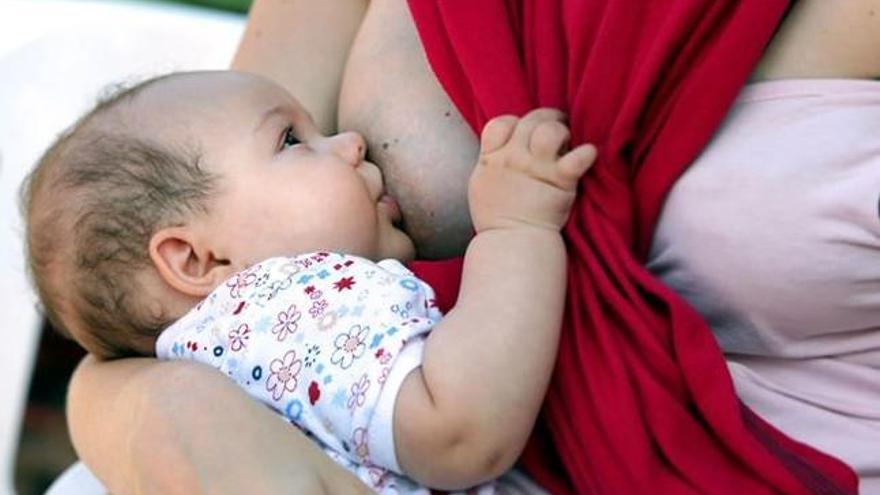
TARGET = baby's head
x,y
164,190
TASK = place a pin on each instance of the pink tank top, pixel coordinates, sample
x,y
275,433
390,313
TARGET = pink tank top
x,y
774,236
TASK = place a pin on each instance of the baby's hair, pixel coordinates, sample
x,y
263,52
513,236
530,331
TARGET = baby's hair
x,y
91,204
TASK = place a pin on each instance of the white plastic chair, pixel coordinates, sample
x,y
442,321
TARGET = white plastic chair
x,y
55,58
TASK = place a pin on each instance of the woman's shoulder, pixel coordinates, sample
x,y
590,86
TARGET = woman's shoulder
x,y
822,39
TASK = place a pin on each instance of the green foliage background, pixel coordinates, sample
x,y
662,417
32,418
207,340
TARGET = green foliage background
x,y
228,5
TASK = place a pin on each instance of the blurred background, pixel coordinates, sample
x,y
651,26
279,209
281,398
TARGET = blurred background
x,y
56,57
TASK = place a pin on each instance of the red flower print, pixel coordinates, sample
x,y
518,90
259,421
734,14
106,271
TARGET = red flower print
x,y
358,392
344,283
238,338
349,346
282,374
288,322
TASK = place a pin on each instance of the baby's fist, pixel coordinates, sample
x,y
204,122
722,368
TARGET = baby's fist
x,y
524,175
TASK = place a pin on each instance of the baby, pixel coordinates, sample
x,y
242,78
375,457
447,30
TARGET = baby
x,y
202,216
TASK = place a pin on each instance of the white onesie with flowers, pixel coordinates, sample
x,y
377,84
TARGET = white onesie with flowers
x,y
324,339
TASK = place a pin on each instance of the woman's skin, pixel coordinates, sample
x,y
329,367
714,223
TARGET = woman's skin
x,y
425,148
172,427
821,39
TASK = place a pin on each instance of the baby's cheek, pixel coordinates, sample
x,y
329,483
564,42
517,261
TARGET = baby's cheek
x,y
352,229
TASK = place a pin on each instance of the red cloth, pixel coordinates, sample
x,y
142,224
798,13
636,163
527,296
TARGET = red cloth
x,y
641,400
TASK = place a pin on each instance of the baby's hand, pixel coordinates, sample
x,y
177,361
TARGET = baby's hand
x,y
521,179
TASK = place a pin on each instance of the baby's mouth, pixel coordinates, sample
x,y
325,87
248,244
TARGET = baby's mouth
x,y
393,209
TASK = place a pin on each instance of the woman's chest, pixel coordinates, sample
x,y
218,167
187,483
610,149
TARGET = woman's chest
x,y
413,131
825,39
773,233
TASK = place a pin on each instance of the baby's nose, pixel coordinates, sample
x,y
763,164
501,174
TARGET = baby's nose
x,y
350,146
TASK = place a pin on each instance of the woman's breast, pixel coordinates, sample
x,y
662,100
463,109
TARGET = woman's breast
x,y
774,233
413,131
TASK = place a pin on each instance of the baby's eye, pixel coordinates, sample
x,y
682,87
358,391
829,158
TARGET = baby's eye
x,y
289,138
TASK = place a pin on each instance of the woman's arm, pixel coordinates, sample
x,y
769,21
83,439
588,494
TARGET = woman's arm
x,y
303,45
145,426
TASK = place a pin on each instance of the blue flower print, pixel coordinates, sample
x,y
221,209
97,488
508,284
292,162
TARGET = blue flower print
x,y
294,410
409,284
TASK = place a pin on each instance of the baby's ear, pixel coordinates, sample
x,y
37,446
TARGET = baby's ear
x,y
185,263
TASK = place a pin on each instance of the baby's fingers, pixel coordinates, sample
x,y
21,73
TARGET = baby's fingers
x,y
522,136
575,163
497,132
549,139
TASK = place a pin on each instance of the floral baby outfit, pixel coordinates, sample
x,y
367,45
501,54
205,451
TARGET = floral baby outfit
x,y
325,339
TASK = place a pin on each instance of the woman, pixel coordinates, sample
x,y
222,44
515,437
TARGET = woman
x,y
134,420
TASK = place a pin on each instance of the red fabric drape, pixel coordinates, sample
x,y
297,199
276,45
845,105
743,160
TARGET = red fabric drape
x,y
641,400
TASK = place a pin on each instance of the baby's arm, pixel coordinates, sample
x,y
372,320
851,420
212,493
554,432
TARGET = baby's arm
x,y
465,415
